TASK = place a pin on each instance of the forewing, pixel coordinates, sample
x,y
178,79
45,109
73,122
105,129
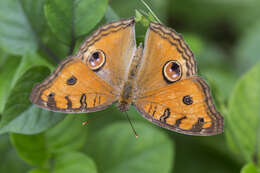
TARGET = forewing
x,y
75,87
163,44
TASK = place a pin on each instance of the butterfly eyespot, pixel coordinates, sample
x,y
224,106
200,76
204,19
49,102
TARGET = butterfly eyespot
x,y
96,60
187,100
172,71
51,95
201,120
72,80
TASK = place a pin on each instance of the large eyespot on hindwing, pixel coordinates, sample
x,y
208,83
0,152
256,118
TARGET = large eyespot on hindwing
x,y
171,71
96,60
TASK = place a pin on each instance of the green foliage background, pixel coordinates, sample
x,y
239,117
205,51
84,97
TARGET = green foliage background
x,y
36,34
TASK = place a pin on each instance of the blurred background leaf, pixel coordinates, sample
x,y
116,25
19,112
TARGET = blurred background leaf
x,y
247,49
243,120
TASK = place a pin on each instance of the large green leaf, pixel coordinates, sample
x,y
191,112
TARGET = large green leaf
x,y
243,120
33,120
18,115
20,22
32,148
74,162
73,18
7,72
69,135
115,149
12,69
19,101
250,168
34,12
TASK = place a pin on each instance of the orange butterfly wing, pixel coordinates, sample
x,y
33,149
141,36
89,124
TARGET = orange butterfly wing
x,y
184,105
75,87
161,45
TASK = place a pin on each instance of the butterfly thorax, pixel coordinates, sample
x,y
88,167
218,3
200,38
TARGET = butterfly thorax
x,y
127,93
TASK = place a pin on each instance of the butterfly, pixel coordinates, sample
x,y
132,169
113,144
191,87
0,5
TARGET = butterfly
x,y
159,80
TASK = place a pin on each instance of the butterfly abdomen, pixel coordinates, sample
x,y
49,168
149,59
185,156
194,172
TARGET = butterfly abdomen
x,y
126,96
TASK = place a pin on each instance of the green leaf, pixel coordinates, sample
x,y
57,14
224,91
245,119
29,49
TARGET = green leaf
x,y
39,171
243,120
152,6
9,160
12,69
73,18
69,135
194,151
250,168
7,72
34,12
19,101
29,60
58,140
20,22
32,148
247,50
18,115
74,162
142,18
152,152
111,15
33,120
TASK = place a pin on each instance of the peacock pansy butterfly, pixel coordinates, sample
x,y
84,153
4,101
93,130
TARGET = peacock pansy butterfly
x,y
159,80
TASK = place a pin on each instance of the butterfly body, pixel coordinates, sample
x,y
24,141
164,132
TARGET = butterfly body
x,y
129,89
159,80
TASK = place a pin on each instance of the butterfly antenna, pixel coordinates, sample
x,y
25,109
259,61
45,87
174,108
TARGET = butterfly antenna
x,y
136,135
